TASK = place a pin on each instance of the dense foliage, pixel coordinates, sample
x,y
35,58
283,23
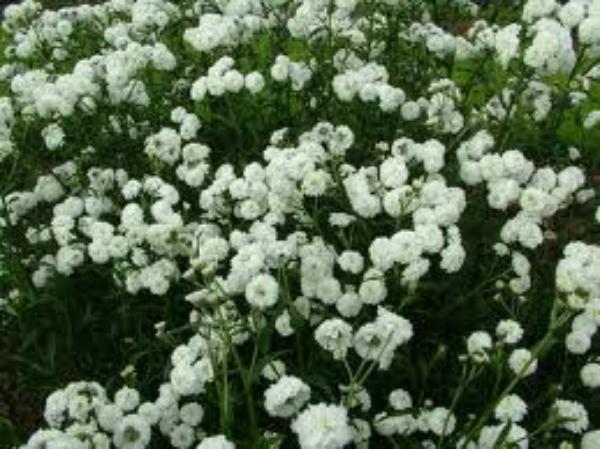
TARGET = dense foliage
x,y
305,224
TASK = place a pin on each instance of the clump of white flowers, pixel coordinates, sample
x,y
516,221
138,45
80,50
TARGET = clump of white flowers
x,y
351,225
323,426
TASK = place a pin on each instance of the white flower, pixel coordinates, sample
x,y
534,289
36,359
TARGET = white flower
x,y
584,322
592,119
162,58
590,375
233,81
589,31
199,89
591,440
100,441
286,397
382,254
370,341
328,290
182,436
578,342
127,399
315,183
273,370
79,407
511,409
520,264
507,43
372,290
262,291
344,87
323,426
379,339
334,335
349,304
410,111
400,399
509,331
453,257
574,415
283,324
54,136
431,238
478,346
522,363
404,424
150,412
280,70
432,154
351,261
108,416
534,9
515,435
571,178
185,380
189,127
55,439
356,396
363,202
191,413
503,192
48,189
393,172
254,82
440,421
68,258
178,114
216,442
56,406
552,50
341,220
362,430
390,98
132,432
572,14
576,271
165,146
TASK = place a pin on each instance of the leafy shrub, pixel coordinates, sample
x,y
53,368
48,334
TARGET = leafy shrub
x,y
314,224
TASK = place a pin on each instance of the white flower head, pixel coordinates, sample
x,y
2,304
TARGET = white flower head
x,y
286,397
590,375
478,346
521,362
132,432
262,291
334,335
323,426
573,415
216,442
509,332
511,409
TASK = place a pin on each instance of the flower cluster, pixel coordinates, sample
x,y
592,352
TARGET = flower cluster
x,y
357,212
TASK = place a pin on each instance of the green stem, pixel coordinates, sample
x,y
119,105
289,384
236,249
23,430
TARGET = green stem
x,y
542,346
466,377
225,398
249,398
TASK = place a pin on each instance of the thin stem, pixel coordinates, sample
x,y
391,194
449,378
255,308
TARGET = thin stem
x,y
543,345
466,377
249,398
